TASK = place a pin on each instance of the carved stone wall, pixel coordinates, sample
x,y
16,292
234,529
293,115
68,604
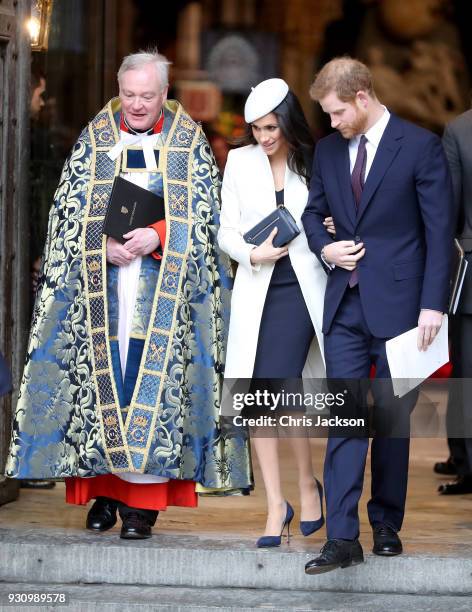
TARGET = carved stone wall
x,y
414,52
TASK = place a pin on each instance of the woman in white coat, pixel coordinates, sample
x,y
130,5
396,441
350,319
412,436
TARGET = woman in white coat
x,y
277,302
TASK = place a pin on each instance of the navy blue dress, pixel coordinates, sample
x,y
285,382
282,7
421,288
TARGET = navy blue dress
x,y
286,330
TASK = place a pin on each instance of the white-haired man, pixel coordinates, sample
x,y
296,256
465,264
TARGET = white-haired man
x,y
121,388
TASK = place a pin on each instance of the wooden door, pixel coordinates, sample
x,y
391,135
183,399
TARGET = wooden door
x,y
14,163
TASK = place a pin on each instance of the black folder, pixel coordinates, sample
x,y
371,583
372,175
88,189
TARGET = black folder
x,y
130,207
460,268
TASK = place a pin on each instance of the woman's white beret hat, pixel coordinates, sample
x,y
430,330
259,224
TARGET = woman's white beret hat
x,y
264,98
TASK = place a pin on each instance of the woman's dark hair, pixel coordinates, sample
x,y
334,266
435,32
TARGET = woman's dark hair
x,y
296,132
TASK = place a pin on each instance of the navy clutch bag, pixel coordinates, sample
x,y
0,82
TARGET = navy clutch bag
x,y
287,229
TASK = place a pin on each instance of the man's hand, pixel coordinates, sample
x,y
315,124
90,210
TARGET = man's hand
x,y
266,252
429,323
329,225
344,253
141,241
117,254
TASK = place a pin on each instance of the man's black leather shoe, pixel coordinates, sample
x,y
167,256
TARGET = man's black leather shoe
x,y
460,486
445,468
334,554
135,527
102,515
386,541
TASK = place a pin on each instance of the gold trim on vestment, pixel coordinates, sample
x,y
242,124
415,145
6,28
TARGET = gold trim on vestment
x,y
135,406
103,135
131,440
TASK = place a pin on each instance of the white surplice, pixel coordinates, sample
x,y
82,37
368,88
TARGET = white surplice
x,y
128,276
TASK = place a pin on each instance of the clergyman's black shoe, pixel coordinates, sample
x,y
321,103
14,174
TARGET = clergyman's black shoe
x,y
386,541
461,486
135,527
102,515
334,554
445,468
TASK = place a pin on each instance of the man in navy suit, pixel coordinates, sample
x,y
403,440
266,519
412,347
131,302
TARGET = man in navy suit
x,y
386,184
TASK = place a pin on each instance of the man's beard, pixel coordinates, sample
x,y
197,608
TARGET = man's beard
x,y
356,127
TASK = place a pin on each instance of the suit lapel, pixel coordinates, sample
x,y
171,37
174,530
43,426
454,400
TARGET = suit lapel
x,y
343,171
389,145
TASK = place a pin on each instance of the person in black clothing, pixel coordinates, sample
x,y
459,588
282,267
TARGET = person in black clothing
x,y
457,144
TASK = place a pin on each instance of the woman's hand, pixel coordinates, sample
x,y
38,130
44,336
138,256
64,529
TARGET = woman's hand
x,y
329,225
266,252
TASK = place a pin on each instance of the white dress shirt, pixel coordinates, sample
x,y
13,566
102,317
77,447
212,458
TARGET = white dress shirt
x,y
373,136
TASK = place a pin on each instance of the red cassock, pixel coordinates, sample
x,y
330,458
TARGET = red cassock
x,y
155,496
148,496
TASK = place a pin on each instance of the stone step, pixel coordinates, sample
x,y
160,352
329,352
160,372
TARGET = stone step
x,y
72,556
117,598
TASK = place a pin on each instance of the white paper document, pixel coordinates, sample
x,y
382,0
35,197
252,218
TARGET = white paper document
x,y
409,366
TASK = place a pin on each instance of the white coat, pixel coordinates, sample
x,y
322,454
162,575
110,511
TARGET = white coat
x,y
248,195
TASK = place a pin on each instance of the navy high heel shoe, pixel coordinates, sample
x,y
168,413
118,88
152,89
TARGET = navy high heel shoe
x,y
269,541
309,527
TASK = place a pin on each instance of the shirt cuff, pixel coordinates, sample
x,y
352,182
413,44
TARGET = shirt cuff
x,y
160,228
330,266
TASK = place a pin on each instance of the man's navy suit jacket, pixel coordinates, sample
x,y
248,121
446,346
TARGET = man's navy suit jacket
x,y
405,220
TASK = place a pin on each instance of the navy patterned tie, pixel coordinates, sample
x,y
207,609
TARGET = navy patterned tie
x,y
357,182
